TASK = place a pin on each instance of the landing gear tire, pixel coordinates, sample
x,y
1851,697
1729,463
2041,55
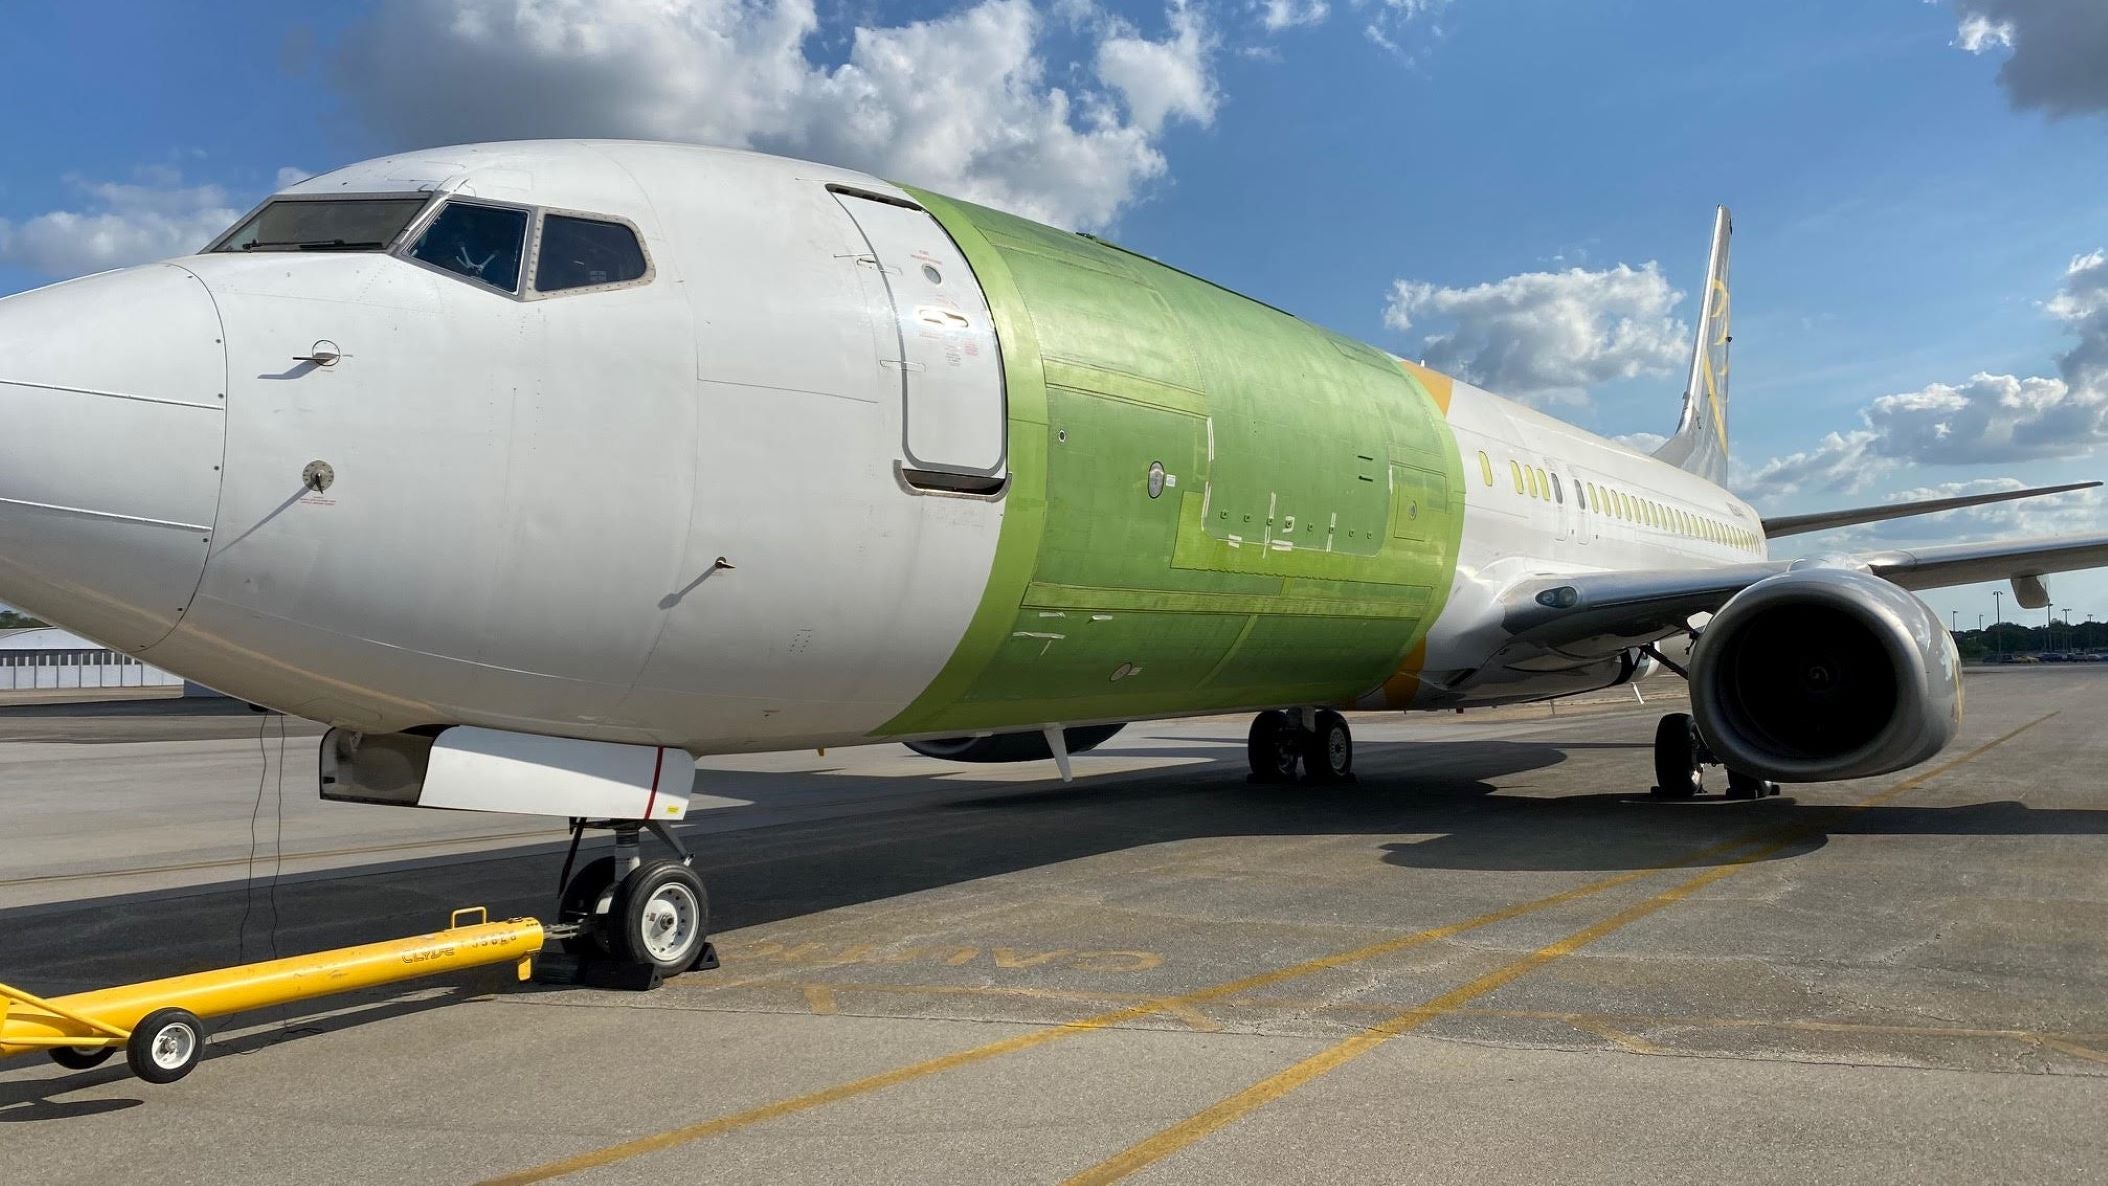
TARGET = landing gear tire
x,y
1678,773
165,1045
660,917
1328,752
81,1058
1749,786
1273,747
579,904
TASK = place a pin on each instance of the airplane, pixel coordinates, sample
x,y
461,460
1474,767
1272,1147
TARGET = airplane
x,y
540,470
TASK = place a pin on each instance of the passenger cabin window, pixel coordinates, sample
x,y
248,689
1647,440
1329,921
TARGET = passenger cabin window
x,y
1558,492
1581,493
1486,467
482,243
336,224
585,252
1516,470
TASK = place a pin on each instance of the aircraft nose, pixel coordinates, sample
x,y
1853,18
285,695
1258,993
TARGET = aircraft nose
x,y
113,418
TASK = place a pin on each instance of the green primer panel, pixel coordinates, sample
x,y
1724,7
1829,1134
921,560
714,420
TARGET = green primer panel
x,y
1054,656
1300,544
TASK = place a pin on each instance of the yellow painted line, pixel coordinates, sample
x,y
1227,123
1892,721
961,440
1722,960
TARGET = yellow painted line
x,y
2071,1048
856,1087
1628,1042
1612,1027
1273,1087
1192,1017
1169,1005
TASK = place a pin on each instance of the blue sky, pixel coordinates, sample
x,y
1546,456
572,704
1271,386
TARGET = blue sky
x,y
1912,182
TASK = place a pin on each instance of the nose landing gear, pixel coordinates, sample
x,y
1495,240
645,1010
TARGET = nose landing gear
x,y
1680,759
1317,742
629,922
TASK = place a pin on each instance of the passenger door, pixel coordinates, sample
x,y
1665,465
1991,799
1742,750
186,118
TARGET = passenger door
x,y
1565,502
945,348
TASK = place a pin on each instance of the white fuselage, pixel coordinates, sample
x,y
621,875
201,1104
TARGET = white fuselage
x,y
673,512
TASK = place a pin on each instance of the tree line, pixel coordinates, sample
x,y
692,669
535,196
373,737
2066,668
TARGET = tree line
x,y
2012,638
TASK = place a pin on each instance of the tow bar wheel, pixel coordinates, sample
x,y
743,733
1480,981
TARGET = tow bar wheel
x,y
80,1058
165,1045
661,915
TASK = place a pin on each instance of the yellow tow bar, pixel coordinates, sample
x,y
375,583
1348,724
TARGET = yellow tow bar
x,y
156,1022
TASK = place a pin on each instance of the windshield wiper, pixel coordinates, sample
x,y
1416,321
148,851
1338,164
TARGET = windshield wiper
x,y
311,245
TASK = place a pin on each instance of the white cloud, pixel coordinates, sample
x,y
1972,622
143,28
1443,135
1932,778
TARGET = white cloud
x,y
2058,50
1987,419
1641,442
1546,337
1390,21
1838,463
1161,79
1276,15
2083,306
289,175
1979,34
119,224
961,103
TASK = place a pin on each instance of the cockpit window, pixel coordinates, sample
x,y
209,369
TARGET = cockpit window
x,y
336,224
583,252
480,242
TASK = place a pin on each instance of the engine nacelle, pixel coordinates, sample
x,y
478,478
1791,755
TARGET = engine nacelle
x,y
1825,673
1014,747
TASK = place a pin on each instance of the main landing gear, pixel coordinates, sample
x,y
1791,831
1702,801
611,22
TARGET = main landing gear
x,y
1315,741
631,922
1680,759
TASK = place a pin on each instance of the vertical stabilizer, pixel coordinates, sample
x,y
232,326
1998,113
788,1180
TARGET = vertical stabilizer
x,y
1700,443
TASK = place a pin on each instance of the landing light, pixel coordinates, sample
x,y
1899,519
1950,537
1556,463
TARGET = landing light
x,y
1563,597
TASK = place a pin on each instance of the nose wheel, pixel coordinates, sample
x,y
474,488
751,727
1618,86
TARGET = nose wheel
x,y
1317,743
630,922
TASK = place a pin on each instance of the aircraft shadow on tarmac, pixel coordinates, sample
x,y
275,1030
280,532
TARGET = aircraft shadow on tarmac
x,y
1430,805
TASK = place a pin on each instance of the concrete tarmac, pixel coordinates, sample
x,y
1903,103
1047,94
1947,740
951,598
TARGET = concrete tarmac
x,y
1492,959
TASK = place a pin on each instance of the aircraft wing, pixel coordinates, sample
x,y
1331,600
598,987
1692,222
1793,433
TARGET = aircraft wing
x,y
1963,564
1600,611
1778,525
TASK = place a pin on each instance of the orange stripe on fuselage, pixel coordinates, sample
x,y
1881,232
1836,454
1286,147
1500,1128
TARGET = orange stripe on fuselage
x,y
1404,684
1438,385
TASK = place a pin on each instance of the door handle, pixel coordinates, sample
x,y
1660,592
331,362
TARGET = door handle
x,y
322,354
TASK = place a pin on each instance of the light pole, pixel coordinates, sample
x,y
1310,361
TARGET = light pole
x,y
2049,625
1998,617
2069,635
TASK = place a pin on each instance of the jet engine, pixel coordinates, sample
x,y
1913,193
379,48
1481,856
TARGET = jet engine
x,y
1825,673
1013,747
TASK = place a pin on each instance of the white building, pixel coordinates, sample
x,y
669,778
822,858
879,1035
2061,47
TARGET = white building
x,y
47,657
